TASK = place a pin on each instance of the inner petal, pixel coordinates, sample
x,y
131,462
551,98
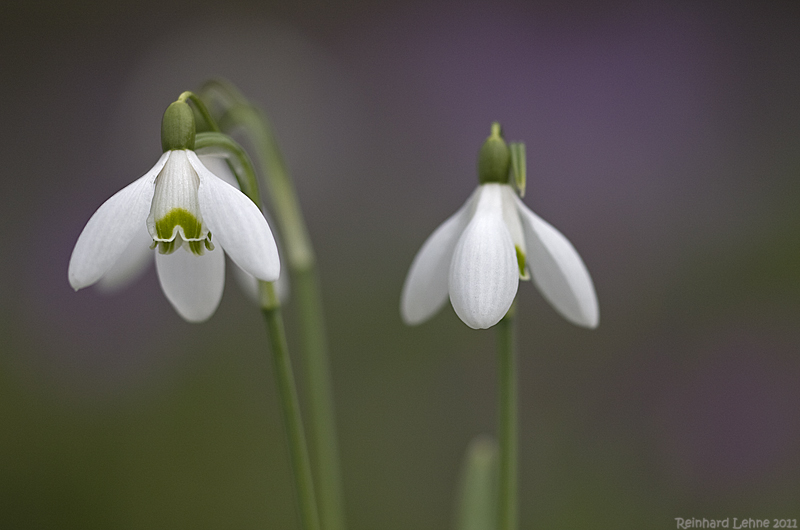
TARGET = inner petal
x,y
179,221
175,211
514,225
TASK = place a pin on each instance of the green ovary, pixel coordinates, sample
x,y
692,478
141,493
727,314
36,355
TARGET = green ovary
x,y
192,230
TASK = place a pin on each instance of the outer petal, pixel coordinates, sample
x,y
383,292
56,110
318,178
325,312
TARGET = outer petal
x,y
484,275
425,288
111,229
236,223
219,167
131,264
558,270
192,284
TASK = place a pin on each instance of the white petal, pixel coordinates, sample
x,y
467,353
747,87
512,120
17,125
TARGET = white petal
x,y
511,218
484,275
193,284
425,288
131,264
558,270
176,189
236,223
111,229
218,165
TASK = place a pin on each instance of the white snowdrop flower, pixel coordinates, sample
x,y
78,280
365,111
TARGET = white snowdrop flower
x,y
183,206
478,255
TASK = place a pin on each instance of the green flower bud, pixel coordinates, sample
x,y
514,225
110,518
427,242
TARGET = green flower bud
x,y
494,159
177,127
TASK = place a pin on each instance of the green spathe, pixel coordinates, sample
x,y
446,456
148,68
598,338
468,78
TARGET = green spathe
x,y
494,159
177,127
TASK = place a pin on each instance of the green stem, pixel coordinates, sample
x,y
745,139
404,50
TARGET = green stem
x,y
243,167
301,465
301,262
201,107
316,368
507,370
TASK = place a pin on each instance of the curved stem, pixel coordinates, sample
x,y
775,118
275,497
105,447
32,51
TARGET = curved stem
x,y
507,371
201,107
243,169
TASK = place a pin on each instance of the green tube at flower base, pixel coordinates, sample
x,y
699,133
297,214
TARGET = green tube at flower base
x,y
178,127
494,158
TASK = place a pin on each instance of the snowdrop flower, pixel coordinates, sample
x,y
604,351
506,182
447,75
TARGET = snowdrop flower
x,y
182,205
136,258
478,255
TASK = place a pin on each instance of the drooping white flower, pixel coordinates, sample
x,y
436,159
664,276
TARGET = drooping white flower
x,y
139,255
478,255
183,207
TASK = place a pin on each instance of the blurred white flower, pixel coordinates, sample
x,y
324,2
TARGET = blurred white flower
x,y
178,203
478,255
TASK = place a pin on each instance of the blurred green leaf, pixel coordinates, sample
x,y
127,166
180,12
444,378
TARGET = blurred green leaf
x,y
477,501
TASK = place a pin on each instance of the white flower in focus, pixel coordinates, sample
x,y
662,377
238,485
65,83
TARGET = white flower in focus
x,y
136,258
478,255
181,206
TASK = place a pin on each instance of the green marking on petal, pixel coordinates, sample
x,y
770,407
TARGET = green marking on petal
x,y
197,247
523,272
168,247
165,227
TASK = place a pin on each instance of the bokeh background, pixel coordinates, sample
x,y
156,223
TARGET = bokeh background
x,y
663,139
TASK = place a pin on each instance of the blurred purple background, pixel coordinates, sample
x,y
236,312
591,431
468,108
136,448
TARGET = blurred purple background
x,y
663,140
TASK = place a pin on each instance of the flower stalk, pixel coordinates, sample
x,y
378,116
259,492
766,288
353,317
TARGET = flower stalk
x,y
201,108
507,516
242,165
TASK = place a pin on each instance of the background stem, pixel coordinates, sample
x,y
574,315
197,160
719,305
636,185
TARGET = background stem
x,y
316,369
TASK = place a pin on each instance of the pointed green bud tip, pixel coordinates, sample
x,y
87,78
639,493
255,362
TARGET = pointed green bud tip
x,y
177,127
494,159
